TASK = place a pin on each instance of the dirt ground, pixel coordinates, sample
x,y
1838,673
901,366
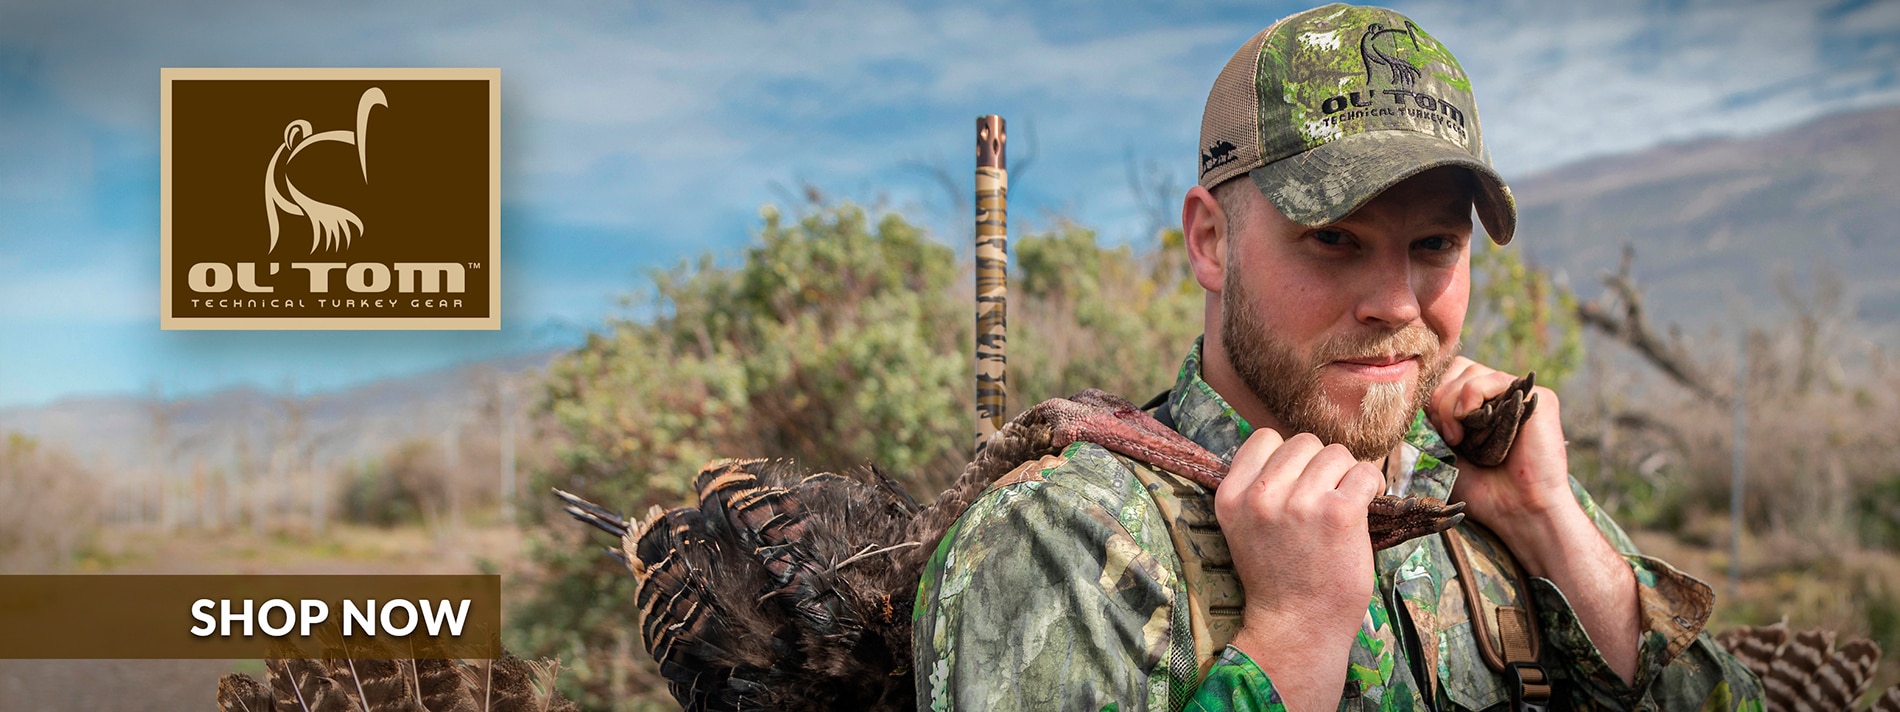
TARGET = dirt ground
x,y
187,685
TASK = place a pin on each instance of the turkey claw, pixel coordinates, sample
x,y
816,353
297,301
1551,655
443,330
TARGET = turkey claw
x,y
1491,428
1394,520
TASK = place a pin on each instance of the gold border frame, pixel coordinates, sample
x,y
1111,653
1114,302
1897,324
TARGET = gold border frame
x,y
168,322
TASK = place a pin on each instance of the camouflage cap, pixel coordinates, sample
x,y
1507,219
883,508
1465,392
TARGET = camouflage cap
x,y
1328,108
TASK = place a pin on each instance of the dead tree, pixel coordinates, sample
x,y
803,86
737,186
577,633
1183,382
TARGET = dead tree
x,y
1619,315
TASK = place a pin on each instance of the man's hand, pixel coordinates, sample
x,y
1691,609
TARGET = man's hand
x,y
1533,482
1294,514
1527,501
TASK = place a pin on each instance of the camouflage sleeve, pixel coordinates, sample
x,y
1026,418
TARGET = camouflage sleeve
x,y
1057,589
1679,667
1236,683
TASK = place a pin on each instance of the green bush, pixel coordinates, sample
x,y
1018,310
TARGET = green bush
x,y
407,485
1520,320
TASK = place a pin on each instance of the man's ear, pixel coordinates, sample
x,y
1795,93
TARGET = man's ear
x,y
1204,229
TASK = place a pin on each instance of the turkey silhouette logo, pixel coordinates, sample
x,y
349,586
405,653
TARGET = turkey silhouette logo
x,y
380,200
1381,45
331,226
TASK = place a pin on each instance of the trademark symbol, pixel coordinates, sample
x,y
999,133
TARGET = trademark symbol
x,y
474,265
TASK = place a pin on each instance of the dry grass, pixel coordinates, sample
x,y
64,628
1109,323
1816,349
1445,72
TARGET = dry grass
x,y
1820,539
49,507
343,548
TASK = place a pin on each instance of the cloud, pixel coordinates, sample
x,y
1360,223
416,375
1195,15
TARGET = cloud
x,y
720,108
1559,82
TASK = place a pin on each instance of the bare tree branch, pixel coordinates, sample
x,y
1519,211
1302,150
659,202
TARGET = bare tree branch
x,y
1155,191
1816,317
1019,168
955,190
1629,327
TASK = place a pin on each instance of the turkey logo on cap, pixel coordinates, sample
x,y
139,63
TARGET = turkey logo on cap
x,y
1381,45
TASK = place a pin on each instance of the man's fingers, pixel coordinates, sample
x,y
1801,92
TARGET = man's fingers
x,y
1324,472
1460,394
1253,454
1245,468
1284,466
1362,482
1481,388
1459,364
1438,403
1442,400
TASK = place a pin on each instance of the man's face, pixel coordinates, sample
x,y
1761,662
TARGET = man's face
x,y
1342,331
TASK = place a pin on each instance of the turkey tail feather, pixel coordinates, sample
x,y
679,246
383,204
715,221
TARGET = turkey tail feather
x,y
783,589
378,685
595,515
1888,702
1804,671
238,692
300,685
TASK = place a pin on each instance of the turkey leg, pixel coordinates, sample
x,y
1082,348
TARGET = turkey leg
x,y
1114,423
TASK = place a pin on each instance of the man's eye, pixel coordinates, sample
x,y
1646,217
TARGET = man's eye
x,y
1435,244
1330,237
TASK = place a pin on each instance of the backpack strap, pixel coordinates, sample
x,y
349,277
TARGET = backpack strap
x,y
1214,596
1515,630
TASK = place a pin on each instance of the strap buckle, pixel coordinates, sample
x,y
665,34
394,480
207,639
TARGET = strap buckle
x,y
1529,687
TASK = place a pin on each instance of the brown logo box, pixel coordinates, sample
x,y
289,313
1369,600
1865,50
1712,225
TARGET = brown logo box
x,y
209,616
331,199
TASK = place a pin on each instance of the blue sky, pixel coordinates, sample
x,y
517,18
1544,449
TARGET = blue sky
x,y
637,135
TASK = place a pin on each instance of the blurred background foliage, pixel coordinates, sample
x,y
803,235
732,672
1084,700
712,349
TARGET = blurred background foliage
x,y
1520,320
835,340
49,506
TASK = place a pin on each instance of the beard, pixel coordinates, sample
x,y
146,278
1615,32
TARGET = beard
x,y
1290,388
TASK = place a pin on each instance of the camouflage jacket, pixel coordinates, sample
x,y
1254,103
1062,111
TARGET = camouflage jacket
x,y
1078,583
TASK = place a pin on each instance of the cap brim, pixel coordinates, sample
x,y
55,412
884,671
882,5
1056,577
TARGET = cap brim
x,y
1324,185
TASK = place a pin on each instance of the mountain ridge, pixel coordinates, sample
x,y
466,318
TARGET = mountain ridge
x,y
1715,222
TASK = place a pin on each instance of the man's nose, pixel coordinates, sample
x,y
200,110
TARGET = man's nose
x,y
1388,297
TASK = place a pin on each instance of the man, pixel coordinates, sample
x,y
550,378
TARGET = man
x,y
1340,165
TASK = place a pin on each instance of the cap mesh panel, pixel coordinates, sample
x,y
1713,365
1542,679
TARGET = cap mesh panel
x,y
1231,117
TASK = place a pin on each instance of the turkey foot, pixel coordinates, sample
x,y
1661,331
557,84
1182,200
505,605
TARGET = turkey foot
x,y
1098,417
1492,427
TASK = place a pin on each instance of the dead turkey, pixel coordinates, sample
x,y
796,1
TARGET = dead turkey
x,y
1804,671
787,590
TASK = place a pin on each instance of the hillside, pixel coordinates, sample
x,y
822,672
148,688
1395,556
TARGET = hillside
x,y
1714,221
116,433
